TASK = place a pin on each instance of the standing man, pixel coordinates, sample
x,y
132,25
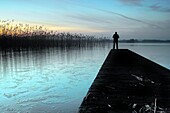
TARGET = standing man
x,y
115,38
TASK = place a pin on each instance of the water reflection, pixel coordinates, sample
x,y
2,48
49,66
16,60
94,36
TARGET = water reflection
x,y
56,79
47,80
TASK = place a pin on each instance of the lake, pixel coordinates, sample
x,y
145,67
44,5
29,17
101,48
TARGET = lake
x,y
55,80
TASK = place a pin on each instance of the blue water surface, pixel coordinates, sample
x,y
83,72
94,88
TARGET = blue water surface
x,y
55,80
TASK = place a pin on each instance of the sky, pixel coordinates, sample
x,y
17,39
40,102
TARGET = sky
x,y
139,19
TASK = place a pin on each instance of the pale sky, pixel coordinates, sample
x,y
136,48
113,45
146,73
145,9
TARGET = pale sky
x,y
141,19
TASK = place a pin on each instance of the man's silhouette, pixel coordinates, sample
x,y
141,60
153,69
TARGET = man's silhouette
x,y
115,42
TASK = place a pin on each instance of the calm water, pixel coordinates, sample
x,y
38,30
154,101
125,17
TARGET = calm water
x,y
56,80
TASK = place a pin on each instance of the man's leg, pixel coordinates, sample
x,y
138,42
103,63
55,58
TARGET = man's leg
x,y
113,44
117,44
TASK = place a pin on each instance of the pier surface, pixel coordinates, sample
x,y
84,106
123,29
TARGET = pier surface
x,y
128,82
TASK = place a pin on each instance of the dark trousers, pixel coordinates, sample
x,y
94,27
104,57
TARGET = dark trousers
x,y
115,43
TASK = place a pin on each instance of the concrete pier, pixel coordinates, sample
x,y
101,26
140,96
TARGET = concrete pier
x,y
128,82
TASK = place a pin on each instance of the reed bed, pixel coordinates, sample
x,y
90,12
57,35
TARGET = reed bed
x,y
20,36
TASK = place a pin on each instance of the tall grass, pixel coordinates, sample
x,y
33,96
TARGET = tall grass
x,y
19,36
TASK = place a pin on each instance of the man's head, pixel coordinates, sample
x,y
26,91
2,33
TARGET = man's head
x,y
115,32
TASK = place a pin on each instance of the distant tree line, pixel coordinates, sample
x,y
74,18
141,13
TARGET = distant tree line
x,y
144,41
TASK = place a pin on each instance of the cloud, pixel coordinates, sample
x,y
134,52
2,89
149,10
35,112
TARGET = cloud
x,y
157,7
129,18
99,20
90,18
131,2
154,7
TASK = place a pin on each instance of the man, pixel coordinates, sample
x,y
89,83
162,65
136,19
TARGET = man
x,y
115,43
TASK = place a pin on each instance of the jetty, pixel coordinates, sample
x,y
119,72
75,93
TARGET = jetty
x,y
128,83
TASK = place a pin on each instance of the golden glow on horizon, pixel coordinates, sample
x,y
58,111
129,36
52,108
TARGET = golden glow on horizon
x,y
72,29
8,27
21,28
76,29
